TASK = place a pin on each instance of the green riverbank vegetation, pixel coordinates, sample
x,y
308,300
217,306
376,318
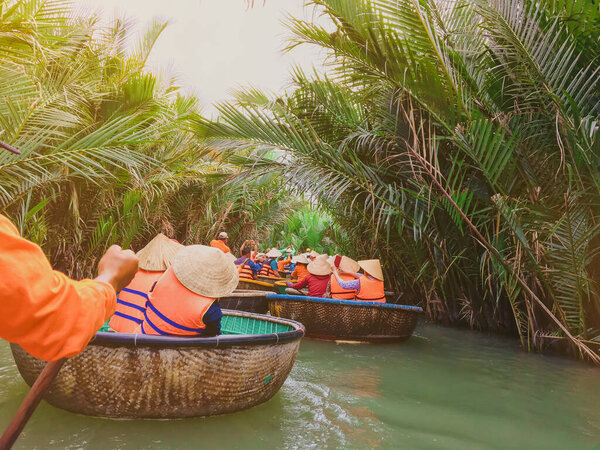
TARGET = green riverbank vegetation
x,y
457,141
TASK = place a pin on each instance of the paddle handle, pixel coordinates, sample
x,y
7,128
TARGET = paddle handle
x,y
28,405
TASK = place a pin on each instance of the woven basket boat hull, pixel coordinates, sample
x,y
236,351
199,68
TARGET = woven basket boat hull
x,y
287,274
270,280
255,285
128,376
246,300
347,320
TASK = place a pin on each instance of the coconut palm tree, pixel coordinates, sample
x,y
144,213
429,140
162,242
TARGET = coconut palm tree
x,y
458,141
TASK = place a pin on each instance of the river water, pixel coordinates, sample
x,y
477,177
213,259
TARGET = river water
x,y
444,388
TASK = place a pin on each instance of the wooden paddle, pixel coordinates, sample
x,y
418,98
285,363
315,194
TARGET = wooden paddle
x,y
28,405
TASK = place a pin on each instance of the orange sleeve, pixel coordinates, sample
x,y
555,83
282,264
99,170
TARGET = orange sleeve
x,y
48,314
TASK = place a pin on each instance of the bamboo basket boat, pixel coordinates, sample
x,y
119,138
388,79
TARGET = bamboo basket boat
x,y
287,274
326,318
246,300
281,287
247,284
270,279
164,377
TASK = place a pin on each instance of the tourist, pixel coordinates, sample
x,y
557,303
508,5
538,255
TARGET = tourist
x,y
369,287
154,259
269,267
317,279
300,271
221,242
253,248
184,302
347,267
246,267
47,313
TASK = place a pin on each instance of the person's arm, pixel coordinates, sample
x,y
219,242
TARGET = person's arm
x,y
299,285
254,266
48,314
349,285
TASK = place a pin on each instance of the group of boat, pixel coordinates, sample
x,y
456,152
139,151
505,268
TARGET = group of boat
x,y
122,375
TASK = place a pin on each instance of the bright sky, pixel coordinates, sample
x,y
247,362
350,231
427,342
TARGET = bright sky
x,y
215,46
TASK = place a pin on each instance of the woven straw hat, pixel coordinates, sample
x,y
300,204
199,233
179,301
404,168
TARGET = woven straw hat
x,y
349,265
274,253
300,259
372,267
158,254
314,254
230,256
319,266
207,271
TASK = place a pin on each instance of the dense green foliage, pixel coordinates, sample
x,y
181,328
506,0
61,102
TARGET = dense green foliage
x,y
308,227
107,155
458,141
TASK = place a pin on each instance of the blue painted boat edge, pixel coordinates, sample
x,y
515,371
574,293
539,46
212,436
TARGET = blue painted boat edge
x,y
226,340
303,298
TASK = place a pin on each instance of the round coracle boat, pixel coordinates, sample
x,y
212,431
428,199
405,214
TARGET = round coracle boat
x,y
281,286
246,300
326,318
254,285
270,279
163,377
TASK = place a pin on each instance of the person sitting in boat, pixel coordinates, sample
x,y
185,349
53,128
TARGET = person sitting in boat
x,y
369,287
253,249
221,242
317,279
269,267
283,261
184,301
347,267
246,267
300,271
154,259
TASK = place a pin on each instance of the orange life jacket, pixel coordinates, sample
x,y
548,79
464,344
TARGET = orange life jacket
x,y
131,302
266,270
339,292
245,271
172,309
370,290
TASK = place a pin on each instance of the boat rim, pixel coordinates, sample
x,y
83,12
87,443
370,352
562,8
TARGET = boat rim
x,y
302,298
104,338
258,282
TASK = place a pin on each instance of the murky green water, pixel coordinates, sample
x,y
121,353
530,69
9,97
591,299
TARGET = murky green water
x,y
444,388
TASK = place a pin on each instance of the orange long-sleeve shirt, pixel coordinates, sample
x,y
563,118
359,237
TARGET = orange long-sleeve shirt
x,y
217,243
300,272
48,314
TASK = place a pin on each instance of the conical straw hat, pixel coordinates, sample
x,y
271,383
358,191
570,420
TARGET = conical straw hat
x,y
319,266
314,254
300,259
274,253
230,256
372,267
349,265
159,254
207,271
